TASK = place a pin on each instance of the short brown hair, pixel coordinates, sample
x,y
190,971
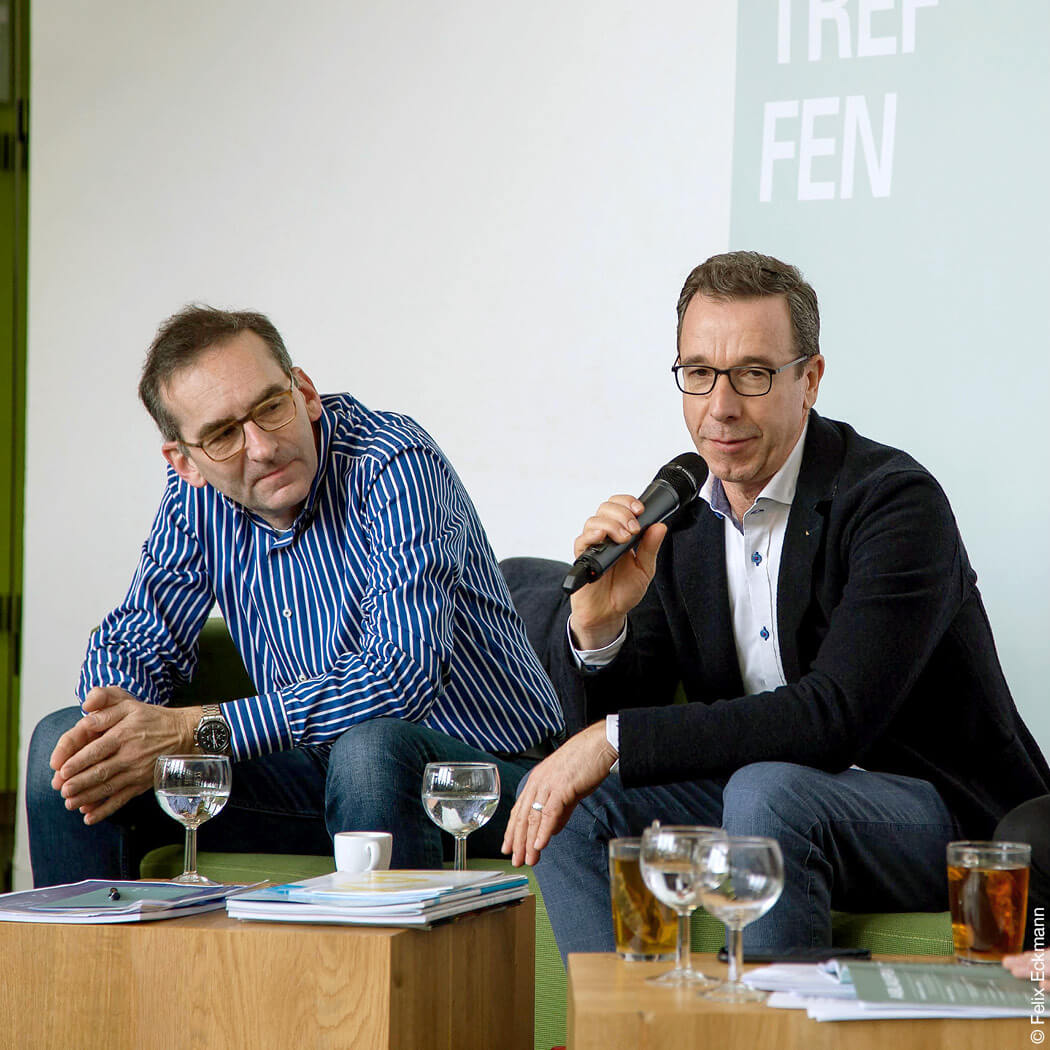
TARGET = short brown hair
x,y
749,275
183,337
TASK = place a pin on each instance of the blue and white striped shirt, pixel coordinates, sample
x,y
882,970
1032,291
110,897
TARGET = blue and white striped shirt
x,y
383,599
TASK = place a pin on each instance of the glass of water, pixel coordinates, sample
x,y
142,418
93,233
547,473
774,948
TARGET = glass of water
x,y
670,862
460,797
192,789
742,879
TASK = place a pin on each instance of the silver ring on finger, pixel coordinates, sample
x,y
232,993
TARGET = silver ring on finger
x,y
538,806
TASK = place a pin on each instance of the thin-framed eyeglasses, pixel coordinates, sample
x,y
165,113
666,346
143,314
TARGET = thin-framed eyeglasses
x,y
746,380
272,414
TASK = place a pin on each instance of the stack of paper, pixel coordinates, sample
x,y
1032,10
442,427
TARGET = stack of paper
x,y
99,901
837,991
380,898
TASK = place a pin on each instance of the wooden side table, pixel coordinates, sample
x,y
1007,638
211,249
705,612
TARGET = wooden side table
x,y
208,982
611,1007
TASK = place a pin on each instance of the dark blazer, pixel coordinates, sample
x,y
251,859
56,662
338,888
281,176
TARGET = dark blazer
x,y
886,647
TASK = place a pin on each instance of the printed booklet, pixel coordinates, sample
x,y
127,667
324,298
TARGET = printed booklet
x,y
105,901
380,898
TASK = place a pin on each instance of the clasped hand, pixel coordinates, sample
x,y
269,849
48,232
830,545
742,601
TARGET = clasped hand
x,y
107,758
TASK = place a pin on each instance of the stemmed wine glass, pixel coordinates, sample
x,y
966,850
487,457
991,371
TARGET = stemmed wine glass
x,y
742,879
669,860
460,797
192,789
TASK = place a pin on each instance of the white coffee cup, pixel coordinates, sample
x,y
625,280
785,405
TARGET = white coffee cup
x,y
357,851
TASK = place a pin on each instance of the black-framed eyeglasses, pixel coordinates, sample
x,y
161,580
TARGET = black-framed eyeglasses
x,y
272,414
746,380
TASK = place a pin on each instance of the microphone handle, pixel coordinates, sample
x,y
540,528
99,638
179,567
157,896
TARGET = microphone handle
x,y
660,500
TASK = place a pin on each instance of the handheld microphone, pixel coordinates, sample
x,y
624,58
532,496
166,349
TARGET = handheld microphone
x,y
676,484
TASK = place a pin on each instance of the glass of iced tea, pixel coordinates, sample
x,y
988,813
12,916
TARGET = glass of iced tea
x,y
988,898
644,928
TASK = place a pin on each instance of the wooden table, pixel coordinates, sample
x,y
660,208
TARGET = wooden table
x,y
208,982
612,1008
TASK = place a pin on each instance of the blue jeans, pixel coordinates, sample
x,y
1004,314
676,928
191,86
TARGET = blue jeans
x,y
854,841
293,801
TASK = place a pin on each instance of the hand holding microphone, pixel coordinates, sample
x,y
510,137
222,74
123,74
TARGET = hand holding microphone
x,y
624,524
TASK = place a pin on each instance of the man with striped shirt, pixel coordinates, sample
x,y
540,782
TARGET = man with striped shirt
x,y
360,589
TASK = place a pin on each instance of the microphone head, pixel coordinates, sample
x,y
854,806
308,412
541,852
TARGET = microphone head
x,y
685,474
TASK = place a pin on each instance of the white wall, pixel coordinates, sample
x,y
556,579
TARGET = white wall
x,y
477,213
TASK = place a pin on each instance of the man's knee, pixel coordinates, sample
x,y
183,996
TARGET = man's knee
x,y
372,744
764,795
41,745
1028,822
374,757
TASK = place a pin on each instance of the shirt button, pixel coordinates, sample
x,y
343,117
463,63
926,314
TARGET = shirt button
x,y
756,558
302,678
764,634
286,613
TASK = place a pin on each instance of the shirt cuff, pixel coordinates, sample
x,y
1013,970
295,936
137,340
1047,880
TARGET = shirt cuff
x,y
258,726
587,659
612,734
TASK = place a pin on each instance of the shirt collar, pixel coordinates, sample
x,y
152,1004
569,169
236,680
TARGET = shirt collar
x,y
780,488
325,426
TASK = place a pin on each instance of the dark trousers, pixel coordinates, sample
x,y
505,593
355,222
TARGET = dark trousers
x,y
369,779
855,840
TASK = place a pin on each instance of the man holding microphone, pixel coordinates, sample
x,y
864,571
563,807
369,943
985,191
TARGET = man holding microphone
x,y
817,609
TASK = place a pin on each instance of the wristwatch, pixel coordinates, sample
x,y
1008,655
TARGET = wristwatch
x,y
212,734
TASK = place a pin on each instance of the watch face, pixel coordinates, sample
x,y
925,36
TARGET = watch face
x,y
213,737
